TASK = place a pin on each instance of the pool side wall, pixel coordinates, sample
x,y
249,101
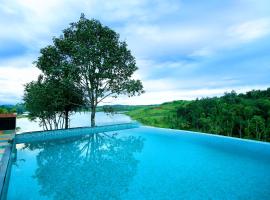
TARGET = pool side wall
x,y
5,169
72,132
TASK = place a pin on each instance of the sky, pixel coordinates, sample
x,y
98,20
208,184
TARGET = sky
x,y
185,49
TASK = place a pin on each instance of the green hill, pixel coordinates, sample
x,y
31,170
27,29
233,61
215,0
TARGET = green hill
x,y
159,115
238,115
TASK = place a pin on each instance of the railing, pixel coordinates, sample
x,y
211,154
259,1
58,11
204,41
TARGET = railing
x,y
34,136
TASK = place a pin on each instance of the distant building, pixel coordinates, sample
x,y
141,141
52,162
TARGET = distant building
x,y
7,121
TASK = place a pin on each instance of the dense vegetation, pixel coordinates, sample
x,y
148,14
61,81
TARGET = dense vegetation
x,y
51,100
238,115
121,108
18,108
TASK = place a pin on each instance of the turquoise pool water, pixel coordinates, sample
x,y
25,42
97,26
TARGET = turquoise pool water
x,y
141,163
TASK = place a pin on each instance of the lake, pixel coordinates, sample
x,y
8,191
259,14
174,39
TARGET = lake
x,y
77,120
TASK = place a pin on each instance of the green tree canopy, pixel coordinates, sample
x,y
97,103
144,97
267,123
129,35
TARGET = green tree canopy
x,y
51,101
85,65
101,64
238,115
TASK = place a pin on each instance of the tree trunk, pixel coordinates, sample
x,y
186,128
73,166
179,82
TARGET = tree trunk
x,y
227,125
66,119
240,131
232,128
248,129
93,116
257,134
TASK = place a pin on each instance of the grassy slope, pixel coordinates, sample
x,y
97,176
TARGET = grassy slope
x,y
156,115
120,108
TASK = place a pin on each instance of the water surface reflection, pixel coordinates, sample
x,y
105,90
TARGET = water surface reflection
x,y
98,166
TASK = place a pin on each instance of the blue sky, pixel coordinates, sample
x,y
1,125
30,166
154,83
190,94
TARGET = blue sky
x,y
185,49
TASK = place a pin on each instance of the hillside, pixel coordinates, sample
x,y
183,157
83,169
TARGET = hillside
x,y
159,115
121,108
238,115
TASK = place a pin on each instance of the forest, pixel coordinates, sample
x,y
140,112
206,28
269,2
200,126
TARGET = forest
x,y
237,115
18,108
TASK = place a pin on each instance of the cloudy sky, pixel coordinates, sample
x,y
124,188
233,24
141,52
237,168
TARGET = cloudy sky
x,y
184,48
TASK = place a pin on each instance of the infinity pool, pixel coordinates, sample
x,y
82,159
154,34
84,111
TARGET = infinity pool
x,y
141,163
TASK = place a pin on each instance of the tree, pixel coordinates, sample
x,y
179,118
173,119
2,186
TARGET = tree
x,y
38,98
248,112
3,111
257,126
57,70
51,101
102,64
239,118
20,108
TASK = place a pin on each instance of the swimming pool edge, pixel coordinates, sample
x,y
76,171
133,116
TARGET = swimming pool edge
x,y
214,135
5,170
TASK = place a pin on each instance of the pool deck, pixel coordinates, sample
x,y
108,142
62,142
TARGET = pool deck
x,y
5,155
5,137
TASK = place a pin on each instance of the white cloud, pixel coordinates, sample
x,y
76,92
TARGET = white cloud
x,y
250,30
164,39
162,35
13,76
203,52
159,97
149,69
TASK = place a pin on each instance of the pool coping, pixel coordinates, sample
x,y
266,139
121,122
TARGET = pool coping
x,y
215,135
81,127
5,169
39,136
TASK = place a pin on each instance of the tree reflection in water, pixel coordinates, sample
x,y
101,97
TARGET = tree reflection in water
x,y
99,166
